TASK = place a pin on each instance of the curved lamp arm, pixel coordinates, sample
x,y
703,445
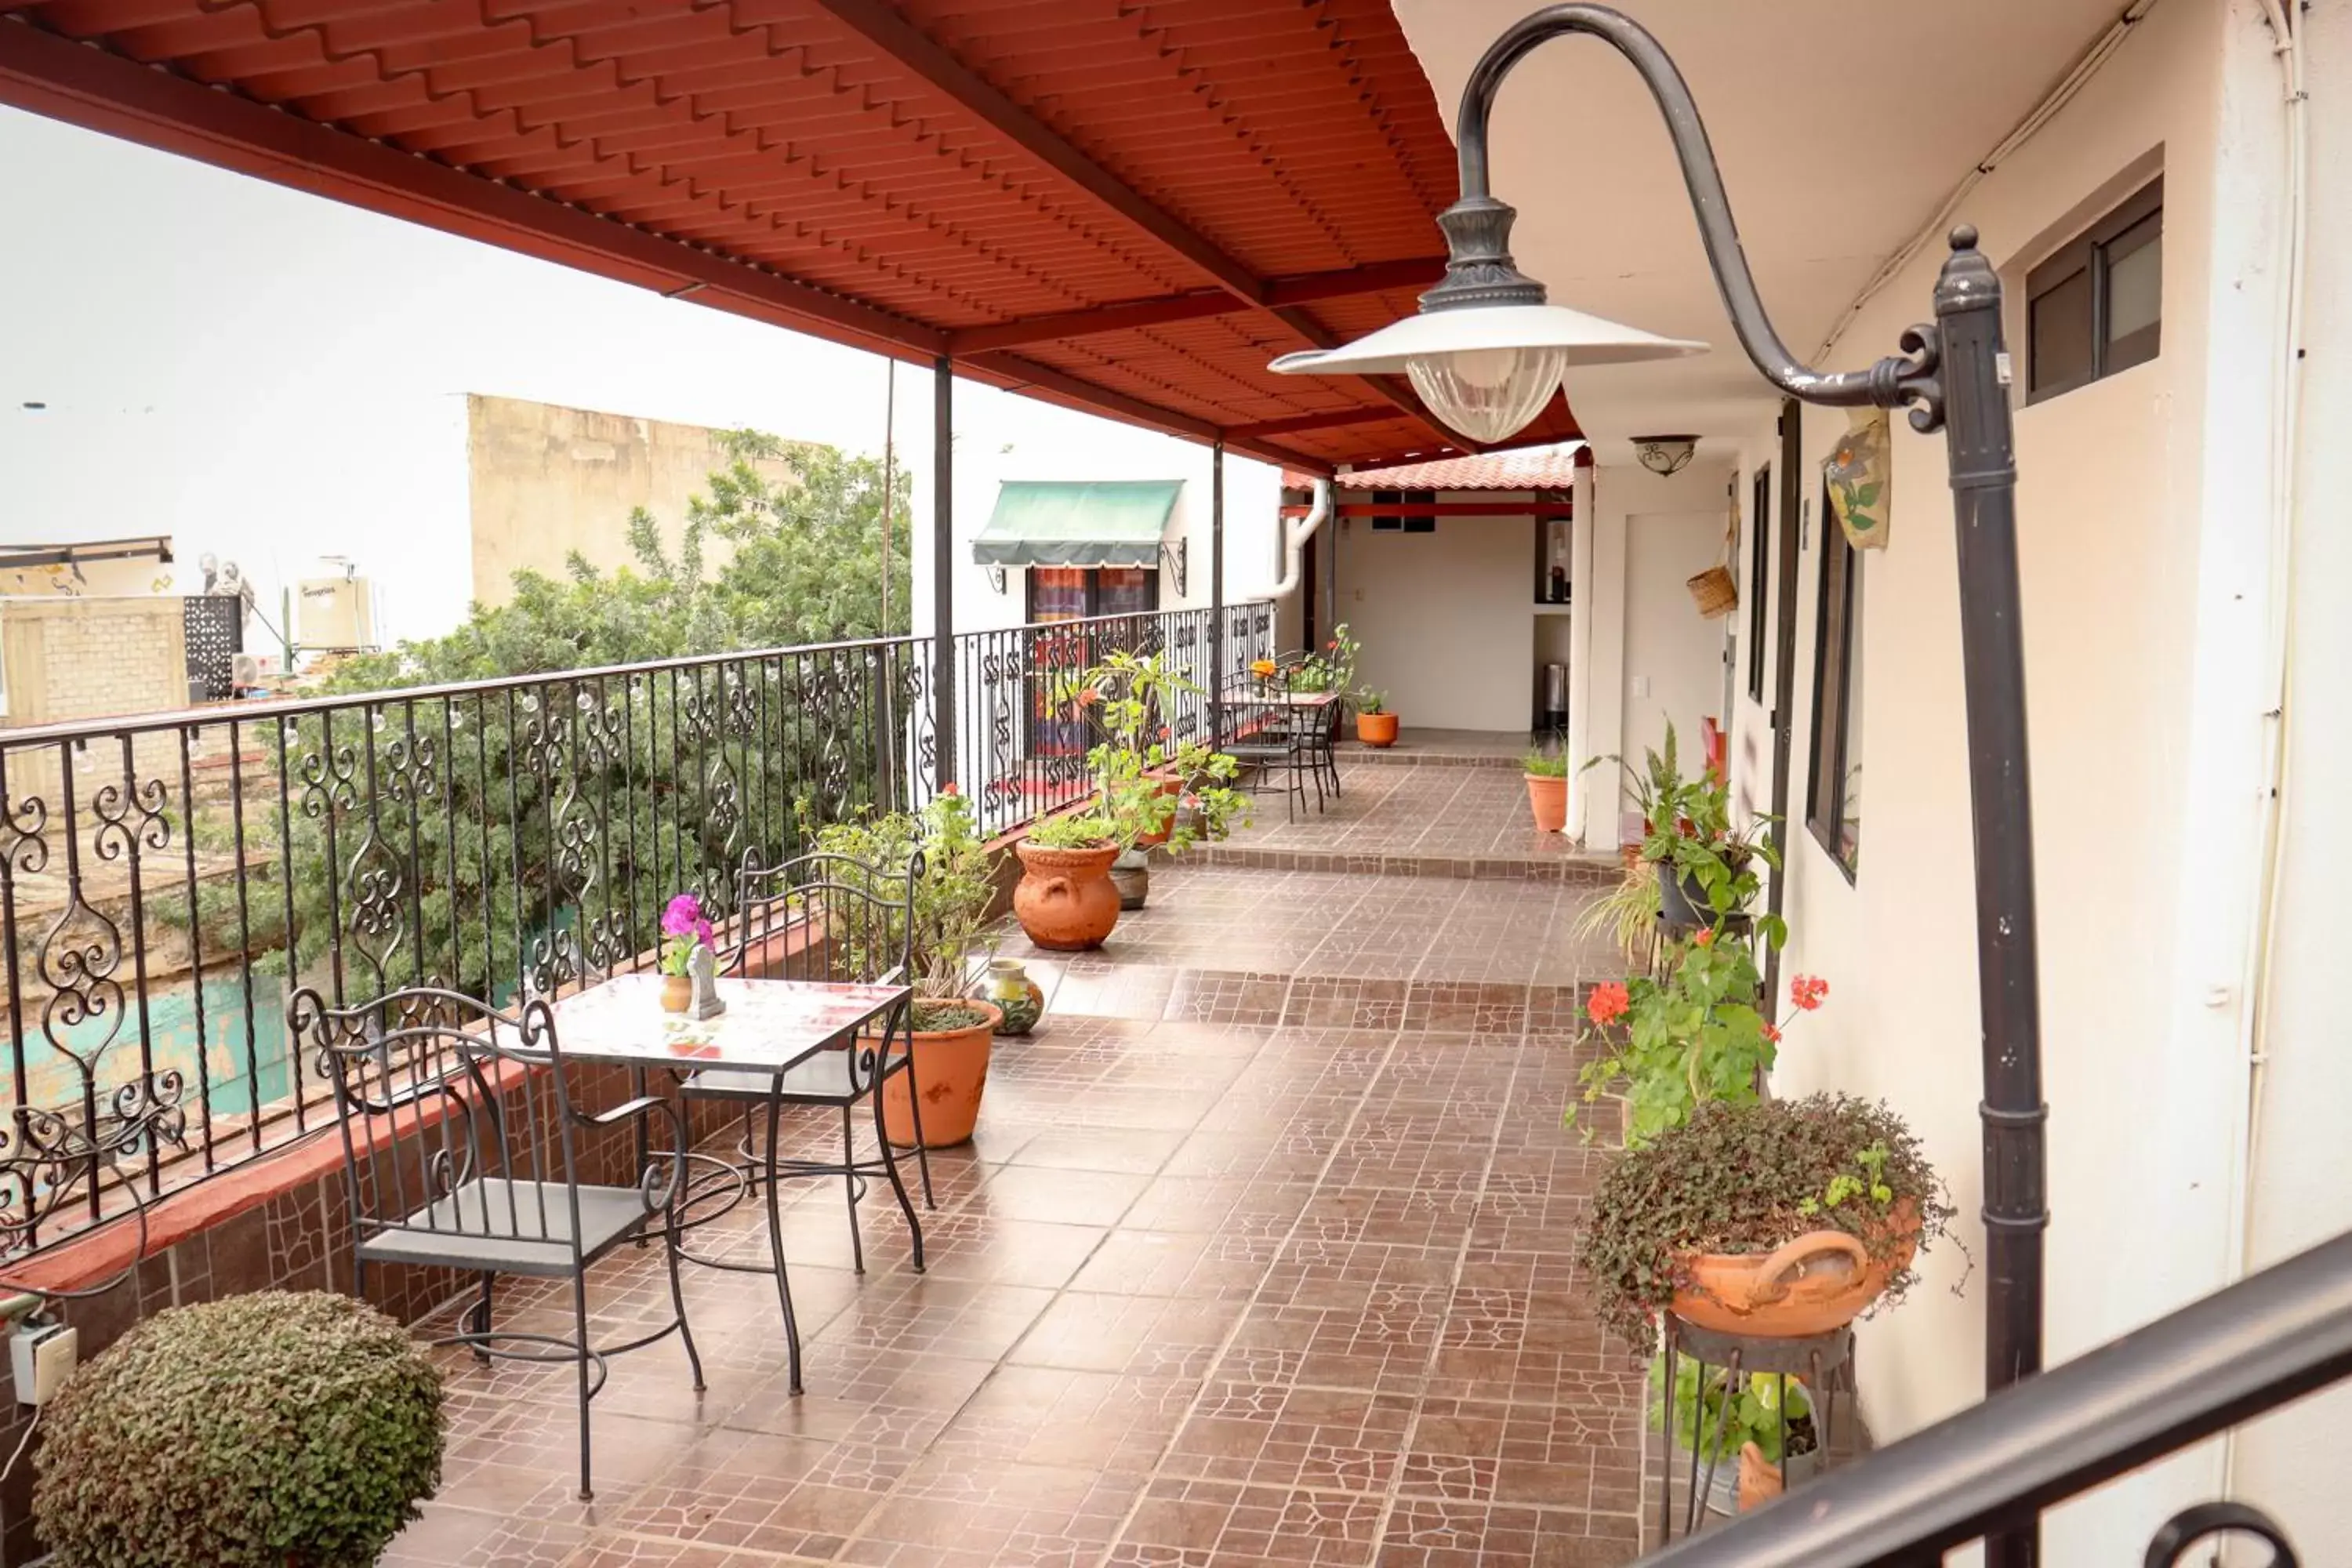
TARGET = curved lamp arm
x,y
1480,225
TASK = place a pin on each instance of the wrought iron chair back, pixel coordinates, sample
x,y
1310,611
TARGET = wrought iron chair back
x,y
824,916
477,1125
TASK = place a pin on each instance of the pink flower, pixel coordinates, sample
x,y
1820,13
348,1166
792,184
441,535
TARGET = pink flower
x,y
1610,1001
1806,992
702,932
683,913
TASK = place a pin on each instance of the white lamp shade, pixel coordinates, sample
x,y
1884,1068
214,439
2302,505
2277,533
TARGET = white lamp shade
x,y
1578,339
1489,370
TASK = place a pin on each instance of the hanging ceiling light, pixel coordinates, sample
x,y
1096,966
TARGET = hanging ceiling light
x,y
1485,352
1664,455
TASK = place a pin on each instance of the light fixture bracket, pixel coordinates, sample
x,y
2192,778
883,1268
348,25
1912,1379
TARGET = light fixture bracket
x,y
1478,269
996,578
1172,560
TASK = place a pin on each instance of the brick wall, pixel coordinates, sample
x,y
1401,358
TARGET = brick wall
x,y
65,659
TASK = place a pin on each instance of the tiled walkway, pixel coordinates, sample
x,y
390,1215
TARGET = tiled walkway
x,y
1248,1264
1463,819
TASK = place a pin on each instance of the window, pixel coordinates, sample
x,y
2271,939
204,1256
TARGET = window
x,y
1833,810
1075,593
1759,572
1403,522
2097,306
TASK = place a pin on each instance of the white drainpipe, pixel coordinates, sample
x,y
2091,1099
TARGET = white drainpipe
x,y
1296,533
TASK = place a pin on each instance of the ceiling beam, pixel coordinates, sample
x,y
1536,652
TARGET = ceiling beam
x,y
881,25
1374,277
105,92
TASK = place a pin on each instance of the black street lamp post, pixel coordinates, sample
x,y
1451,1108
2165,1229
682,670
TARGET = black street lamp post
x,y
1485,352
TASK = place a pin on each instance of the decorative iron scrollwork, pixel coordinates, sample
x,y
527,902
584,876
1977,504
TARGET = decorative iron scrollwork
x,y
51,1158
2170,1546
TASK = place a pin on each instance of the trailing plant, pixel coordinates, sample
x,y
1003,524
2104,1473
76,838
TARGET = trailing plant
x,y
1731,1417
279,1429
1544,765
1673,1044
951,897
1330,669
1140,769
1627,913
1736,1178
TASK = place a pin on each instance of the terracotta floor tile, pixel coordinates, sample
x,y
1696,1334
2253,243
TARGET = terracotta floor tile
x,y
1138,1335
1217,1522
1424,1534
1279,1435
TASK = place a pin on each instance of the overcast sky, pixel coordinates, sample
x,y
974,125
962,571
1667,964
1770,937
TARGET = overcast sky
x,y
275,377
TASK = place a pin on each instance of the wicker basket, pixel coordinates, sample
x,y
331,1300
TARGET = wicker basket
x,y
1713,591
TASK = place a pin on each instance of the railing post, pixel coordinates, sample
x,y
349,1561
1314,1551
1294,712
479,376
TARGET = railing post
x,y
1216,591
944,683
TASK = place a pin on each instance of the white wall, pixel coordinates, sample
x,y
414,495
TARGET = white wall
x,y
1447,619
1637,620
2115,512
2302,1163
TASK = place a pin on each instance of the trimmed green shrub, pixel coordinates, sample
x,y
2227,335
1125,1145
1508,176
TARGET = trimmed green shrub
x,y
275,1430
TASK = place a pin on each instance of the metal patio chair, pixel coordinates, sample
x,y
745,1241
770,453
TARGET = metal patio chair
x,y
822,917
461,1149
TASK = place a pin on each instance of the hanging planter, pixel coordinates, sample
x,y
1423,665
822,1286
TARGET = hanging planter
x,y
1713,591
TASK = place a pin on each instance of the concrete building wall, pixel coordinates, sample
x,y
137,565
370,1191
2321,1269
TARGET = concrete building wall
x,y
545,482
2144,843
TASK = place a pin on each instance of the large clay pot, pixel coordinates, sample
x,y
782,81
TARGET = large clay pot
x,y
1548,796
1066,900
1376,729
951,1070
1820,1281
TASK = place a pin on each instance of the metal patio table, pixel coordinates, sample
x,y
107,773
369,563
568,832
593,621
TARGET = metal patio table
x,y
769,1027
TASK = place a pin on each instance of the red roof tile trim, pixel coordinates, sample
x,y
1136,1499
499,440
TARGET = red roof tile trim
x,y
1549,467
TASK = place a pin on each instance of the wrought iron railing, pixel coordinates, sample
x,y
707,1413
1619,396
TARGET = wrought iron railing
x,y
165,881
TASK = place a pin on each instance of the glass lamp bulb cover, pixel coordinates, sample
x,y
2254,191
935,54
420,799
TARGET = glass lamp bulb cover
x,y
1488,394
1488,332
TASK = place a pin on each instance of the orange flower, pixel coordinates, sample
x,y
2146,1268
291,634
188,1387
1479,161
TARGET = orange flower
x,y
949,788
1706,938
1610,1001
1772,1033
1807,990
1262,667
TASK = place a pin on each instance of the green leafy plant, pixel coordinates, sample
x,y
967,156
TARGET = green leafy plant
x,y
1729,1418
1734,1178
1544,765
1371,702
1686,824
1142,774
1672,1044
273,1430
1331,668
951,900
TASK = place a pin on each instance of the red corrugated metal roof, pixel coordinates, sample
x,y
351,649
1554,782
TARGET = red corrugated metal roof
x,y
1125,207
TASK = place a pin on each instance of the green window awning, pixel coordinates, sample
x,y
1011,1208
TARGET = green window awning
x,y
1096,522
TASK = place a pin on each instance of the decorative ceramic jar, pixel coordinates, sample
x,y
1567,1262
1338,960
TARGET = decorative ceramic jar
x,y
676,992
1009,989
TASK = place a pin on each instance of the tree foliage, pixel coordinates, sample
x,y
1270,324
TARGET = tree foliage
x,y
474,838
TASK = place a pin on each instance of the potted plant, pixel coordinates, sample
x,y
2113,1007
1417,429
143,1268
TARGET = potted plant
x,y
1149,785
1375,725
1767,1218
1547,789
279,1429
683,927
1738,1427
949,1032
1708,870
1670,1045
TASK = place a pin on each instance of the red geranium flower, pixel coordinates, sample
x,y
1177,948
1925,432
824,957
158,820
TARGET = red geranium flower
x,y
1807,990
1610,1001
1772,1033
948,788
1706,938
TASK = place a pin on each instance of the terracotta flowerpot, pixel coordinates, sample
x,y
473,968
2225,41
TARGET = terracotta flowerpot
x,y
1548,796
1759,1479
1820,1281
1153,840
676,992
1066,900
951,1070
1376,729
